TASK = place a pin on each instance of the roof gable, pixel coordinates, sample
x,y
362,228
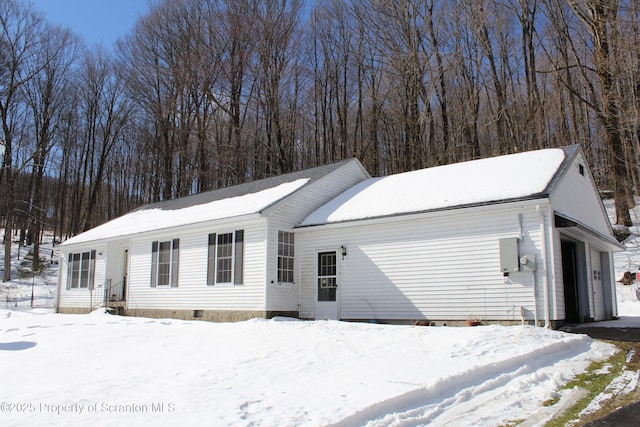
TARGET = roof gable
x,y
498,179
576,196
243,199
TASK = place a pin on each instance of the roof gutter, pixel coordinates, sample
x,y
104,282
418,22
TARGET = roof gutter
x,y
161,230
545,278
432,213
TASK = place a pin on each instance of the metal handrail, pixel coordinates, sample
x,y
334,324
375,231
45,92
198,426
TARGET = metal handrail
x,y
110,296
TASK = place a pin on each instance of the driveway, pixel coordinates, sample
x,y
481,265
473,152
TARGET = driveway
x,y
626,416
624,329
594,330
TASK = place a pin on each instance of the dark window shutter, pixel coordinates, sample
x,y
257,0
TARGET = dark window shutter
x,y
92,269
175,262
69,271
154,264
239,258
211,260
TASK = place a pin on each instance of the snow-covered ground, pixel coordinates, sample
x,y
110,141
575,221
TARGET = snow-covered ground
x,y
100,369
628,296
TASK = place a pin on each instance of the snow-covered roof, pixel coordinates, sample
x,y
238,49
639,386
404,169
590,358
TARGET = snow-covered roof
x,y
144,220
243,199
497,179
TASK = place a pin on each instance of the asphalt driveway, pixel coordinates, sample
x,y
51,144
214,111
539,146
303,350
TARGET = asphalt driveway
x,y
628,415
602,333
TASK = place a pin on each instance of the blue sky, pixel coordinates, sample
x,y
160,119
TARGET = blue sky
x,y
97,21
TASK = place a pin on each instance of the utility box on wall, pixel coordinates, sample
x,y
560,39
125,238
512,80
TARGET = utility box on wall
x,y
528,262
509,257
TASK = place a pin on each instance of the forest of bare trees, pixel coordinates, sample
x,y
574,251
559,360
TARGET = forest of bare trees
x,y
203,94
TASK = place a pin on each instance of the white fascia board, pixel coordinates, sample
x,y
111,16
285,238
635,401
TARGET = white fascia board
x,y
163,231
459,211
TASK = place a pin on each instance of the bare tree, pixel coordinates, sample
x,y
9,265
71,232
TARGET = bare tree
x,y
230,39
440,87
147,58
526,11
277,21
20,38
600,20
466,69
233,90
105,113
400,29
45,94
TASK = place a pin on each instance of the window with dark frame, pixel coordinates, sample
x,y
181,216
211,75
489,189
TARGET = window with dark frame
x,y
286,256
225,259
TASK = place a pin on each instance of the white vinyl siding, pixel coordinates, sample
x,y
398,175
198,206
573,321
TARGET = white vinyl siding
x,y
442,267
193,292
254,258
284,296
577,197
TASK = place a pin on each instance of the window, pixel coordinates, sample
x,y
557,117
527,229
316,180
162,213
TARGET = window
x,y
327,276
225,262
224,258
286,252
581,169
164,263
81,270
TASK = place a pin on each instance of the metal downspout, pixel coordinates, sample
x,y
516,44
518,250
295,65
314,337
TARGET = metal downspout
x,y
535,290
545,278
56,302
535,300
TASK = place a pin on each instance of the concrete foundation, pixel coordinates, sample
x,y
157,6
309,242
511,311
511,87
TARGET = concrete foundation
x,y
207,315
74,310
241,315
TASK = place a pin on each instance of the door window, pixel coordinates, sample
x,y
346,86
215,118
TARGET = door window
x,y
327,276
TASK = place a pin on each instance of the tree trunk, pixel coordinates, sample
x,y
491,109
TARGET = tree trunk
x,y
599,17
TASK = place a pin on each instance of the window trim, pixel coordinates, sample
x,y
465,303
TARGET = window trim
x,y
224,261
280,269
236,260
174,263
75,268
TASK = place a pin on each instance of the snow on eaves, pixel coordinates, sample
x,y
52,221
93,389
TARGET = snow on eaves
x,y
488,180
155,218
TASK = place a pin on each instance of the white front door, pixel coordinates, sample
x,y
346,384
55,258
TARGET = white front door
x,y
327,292
598,289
